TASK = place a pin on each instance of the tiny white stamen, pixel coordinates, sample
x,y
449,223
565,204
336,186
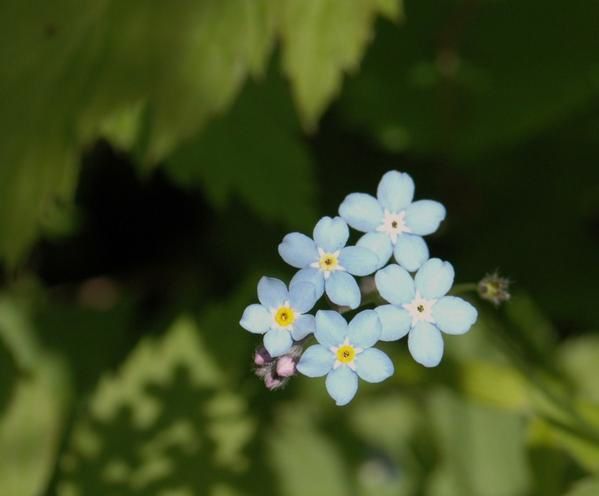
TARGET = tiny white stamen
x,y
394,224
420,309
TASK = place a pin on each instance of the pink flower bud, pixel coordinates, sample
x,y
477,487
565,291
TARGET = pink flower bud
x,y
272,382
262,357
286,366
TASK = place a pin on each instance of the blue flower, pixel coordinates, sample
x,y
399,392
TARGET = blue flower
x,y
419,307
281,316
345,353
327,263
392,222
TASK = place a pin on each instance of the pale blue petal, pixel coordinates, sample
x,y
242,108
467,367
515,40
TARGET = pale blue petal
x,y
256,319
311,276
396,322
298,250
424,216
395,191
331,234
426,344
395,285
342,289
331,328
303,325
364,329
373,365
316,361
342,384
358,261
277,342
302,296
380,244
410,251
361,211
272,292
454,315
434,278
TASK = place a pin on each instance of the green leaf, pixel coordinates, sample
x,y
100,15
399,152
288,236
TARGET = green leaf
x,y
32,422
148,77
322,41
304,460
482,449
135,72
579,358
165,420
586,487
584,451
255,153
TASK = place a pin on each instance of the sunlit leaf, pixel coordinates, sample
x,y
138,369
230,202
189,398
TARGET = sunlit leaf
x,y
72,74
165,420
323,40
32,422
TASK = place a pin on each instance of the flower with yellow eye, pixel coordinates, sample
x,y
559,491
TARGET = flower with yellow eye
x,y
327,263
345,353
420,308
281,315
393,223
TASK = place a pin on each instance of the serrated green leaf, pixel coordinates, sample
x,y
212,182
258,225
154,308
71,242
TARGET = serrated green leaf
x,y
255,152
322,41
70,75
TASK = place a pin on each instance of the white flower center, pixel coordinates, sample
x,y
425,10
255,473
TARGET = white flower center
x,y
345,354
393,225
420,309
327,262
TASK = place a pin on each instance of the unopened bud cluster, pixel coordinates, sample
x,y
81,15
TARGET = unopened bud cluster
x,y
276,371
494,288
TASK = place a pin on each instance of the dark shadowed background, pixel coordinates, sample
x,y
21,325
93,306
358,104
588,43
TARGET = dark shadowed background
x,y
153,155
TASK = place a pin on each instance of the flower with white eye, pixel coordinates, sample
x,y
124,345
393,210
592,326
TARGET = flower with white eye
x,y
393,223
281,315
419,307
327,263
345,353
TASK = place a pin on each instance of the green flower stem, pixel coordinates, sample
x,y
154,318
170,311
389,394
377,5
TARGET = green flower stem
x,y
466,287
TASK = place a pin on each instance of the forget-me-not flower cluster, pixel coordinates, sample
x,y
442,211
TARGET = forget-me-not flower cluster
x,y
418,305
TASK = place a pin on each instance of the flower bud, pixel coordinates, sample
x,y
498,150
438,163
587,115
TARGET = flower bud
x,y
272,382
262,357
494,288
286,366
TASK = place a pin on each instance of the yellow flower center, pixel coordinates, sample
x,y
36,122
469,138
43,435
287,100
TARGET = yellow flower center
x,y
346,353
328,261
285,316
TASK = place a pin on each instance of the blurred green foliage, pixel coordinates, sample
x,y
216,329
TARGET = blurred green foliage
x,y
152,154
